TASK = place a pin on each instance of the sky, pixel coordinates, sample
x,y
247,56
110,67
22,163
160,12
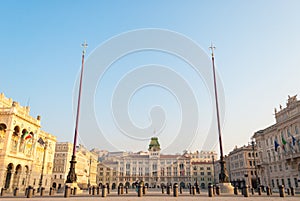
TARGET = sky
x,y
151,91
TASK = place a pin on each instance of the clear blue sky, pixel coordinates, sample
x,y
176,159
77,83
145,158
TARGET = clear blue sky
x,y
257,59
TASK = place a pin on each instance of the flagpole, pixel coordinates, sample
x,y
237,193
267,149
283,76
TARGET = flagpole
x,y
223,177
72,177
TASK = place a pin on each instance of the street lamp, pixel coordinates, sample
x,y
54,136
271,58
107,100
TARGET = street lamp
x,y
45,144
72,177
213,161
256,177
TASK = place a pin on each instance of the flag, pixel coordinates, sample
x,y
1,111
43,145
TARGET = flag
x,y
283,140
276,145
283,147
26,136
293,140
41,141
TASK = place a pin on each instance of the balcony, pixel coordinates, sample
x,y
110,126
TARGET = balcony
x,y
291,156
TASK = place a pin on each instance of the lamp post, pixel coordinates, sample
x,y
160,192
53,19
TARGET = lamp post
x,y
213,161
43,166
89,180
256,177
223,177
72,177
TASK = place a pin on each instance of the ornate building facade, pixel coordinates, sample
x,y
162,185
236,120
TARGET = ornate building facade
x,y
278,148
203,173
242,166
152,167
26,152
86,166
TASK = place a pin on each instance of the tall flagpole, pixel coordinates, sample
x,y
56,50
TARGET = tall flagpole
x,y
72,178
223,177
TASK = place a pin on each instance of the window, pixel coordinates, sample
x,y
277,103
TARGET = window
x,y
208,173
202,173
208,168
250,162
280,167
60,176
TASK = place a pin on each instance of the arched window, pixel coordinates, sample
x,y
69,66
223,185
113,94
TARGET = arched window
x,y
15,139
2,135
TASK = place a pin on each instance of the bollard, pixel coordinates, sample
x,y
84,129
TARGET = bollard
x,y
292,191
218,190
104,191
67,191
90,190
194,190
29,192
126,189
198,189
3,191
180,190
108,189
252,191
42,191
98,190
246,192
210,191
268,191
119,190
51,192
93,190
162,190
281,191
235,191
74,191
175,190
168,190
288,191
16,191
122,190
140,190
259,190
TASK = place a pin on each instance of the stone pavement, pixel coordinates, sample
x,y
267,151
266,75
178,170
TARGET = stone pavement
x,y
152,195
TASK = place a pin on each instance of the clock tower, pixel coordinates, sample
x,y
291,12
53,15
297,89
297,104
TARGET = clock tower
x,y
154,148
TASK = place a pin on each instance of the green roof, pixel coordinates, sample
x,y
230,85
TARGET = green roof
x,y
154,144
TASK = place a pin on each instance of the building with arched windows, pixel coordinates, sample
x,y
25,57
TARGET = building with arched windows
x,y
26,152
154,168
278,148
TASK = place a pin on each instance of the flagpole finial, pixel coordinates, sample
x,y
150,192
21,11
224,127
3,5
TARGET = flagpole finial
x,y
84,45
212,48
